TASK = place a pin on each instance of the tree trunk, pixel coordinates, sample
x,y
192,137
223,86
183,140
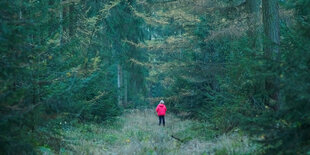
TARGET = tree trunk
x,y
71,20
119,83
254,23
66,15
271,48
61,22
21,10
20,14
271,27
126,88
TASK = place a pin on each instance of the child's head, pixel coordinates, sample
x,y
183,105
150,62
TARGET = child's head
x,y
161,102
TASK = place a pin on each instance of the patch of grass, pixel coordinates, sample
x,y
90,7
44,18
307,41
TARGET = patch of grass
x,y
196,130
137,132
110,139
222,151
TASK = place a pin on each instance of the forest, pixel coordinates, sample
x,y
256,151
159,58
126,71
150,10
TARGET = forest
x,y
85,76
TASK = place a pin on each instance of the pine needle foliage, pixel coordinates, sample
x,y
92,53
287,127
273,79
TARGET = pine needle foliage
x,y
221,62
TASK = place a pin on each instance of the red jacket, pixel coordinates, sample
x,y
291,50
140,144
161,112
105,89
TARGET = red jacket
x,y
161,110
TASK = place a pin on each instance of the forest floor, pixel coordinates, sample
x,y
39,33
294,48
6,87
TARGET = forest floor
x,y
137,132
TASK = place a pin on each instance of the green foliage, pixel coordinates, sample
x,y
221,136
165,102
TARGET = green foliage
x,y
54,61
87,60
282,123
220,78
100,110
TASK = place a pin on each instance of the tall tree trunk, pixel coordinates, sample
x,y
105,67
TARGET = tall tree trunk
x,y
271,47
66,20
20,14
61,22
119,83
254,22
271,27
71,19
125,88
21,10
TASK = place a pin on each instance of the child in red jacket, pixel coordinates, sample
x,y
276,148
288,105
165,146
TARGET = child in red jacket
x,y
161,112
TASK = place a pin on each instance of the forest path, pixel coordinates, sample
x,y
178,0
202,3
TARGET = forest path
x,y
137,132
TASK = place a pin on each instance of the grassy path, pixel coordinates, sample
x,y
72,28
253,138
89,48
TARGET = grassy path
x,y
137,132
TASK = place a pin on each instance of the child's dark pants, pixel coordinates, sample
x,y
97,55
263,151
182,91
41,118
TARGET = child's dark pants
x,y
162,119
